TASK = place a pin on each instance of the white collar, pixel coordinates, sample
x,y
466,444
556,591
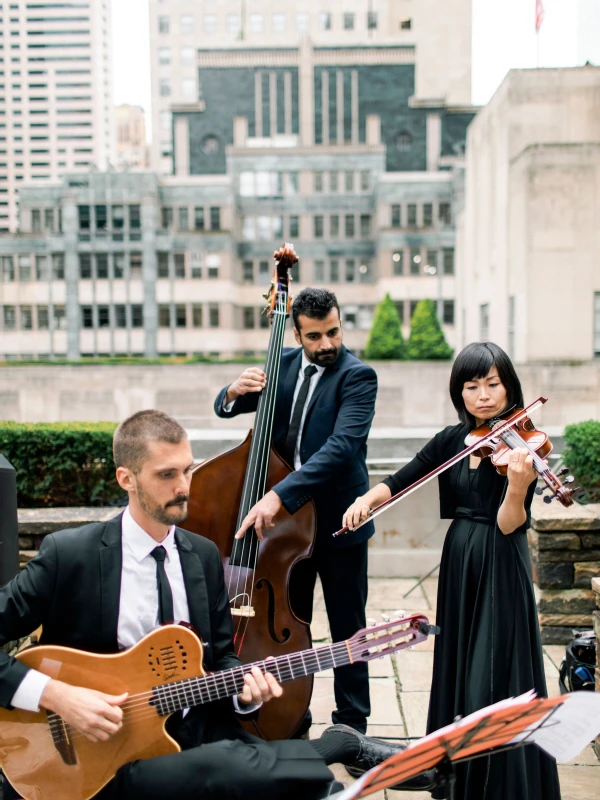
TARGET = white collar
x,y
306,363
141,543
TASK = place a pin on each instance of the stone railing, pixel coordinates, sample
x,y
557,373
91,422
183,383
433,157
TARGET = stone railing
x,y
565,554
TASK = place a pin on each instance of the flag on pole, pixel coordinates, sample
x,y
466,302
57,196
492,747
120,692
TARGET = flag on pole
x,y
539,15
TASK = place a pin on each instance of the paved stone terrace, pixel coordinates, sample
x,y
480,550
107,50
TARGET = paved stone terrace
x,y
400,687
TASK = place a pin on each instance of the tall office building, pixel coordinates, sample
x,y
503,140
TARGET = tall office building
x,y
56,101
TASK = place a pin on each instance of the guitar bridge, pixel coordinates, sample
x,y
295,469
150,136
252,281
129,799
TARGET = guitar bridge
x,y
62,739
243,611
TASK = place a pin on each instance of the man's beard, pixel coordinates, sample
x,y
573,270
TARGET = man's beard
x,y
174,513
323,358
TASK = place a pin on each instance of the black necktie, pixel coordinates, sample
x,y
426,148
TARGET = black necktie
x,y
165,595
292,436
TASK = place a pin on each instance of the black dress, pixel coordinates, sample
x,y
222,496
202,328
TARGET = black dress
x,y
489,647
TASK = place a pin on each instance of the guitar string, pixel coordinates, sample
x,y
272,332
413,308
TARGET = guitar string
x,y
140,710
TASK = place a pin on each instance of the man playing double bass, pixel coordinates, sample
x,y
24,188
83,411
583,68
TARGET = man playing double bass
x,y
323,412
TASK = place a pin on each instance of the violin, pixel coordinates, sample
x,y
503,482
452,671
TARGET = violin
x,y
496,439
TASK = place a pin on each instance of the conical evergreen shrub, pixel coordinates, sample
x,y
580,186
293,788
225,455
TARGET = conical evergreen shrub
x,y
386,340
426,340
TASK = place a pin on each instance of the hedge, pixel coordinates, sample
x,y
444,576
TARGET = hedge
x,y
385,339
61,464
582,456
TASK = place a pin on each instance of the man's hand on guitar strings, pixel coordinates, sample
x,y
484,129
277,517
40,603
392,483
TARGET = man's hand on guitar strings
x,y
260,688
96,715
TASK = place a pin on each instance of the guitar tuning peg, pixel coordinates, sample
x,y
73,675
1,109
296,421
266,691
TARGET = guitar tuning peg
x,y
400,613
371,623
385,617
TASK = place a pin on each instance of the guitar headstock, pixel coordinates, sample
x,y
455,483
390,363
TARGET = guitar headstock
x,y
390,636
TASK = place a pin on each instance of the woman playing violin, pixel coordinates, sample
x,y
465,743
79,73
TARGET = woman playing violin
x,y
489,648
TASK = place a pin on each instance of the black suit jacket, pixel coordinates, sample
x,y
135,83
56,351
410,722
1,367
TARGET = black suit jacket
x,y
334,440
72,588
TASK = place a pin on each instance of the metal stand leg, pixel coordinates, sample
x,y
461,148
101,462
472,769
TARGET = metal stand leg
x,y
420,581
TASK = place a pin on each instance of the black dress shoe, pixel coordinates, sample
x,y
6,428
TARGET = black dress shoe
x,y
373,751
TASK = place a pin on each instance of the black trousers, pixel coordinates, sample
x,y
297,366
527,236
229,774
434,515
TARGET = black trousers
x,y
343,574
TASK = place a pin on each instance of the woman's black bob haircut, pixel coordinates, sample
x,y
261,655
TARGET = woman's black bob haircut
x,y
475,361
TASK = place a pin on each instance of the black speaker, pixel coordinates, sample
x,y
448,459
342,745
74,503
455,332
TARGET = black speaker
x,y
9,529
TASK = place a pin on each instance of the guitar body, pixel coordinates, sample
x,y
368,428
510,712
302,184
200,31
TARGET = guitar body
x,y
66,765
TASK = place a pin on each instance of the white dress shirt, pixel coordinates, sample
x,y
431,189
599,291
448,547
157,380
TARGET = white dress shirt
x,y
138,605
314,379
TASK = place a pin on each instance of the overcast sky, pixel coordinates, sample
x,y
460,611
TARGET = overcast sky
x,y
503,38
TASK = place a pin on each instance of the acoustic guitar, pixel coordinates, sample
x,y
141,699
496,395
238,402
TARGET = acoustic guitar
x,y
45,759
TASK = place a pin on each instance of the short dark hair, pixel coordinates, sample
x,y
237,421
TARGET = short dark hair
x,y
313,303
130,442
475,361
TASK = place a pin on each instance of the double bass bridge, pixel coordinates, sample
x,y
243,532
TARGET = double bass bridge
x,y
243,611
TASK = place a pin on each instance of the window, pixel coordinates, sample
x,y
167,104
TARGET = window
x,y
396,216
319,271
84,217
164,55
49,219
183,221
188,89
58,266
371,20
24,268
179,265
484,322
213,263
349,181
137,316
103,316
333,182
135,265
279,23
264,273
350,272
101,265
398,262
294,225
87,317
10,318
135,219
210,24
411,215
118,265
348,21
325,21
60,318
405,24
186,25
197,315
349,226
213,315
404,141
318,226
164,24
166,215
365,226
427,215
248,272
43,318
248,318
233,23
215,218
41,268
302,22
317,181
163,265
120,316
210,145
8,269
448,312
448,256
292,183
256,26
85,266
101,216
26,318
334,226
445,214
180,316
118,218
431,262
415,261
365,180
188,55
164,86
164,315
334,271
199,218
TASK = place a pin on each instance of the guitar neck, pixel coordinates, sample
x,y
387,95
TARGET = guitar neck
x,y
218,685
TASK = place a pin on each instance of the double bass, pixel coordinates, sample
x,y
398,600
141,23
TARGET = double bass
x,y
257,574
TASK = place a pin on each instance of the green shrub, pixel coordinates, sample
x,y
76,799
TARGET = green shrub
x,y
386,340
61,464
426,340
582,456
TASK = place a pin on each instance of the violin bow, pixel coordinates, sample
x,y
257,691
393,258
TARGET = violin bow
x,y
498,430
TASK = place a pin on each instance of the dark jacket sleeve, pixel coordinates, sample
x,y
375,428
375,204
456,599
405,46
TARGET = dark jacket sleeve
x,y
244,404
427,459
354,417
24,603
